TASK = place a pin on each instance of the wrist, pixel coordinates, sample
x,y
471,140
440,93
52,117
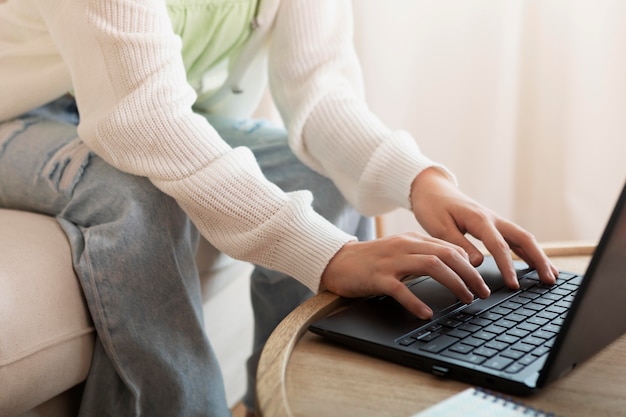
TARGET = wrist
x,y
429,179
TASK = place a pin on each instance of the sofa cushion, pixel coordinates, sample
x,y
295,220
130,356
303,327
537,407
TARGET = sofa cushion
x,y
47,334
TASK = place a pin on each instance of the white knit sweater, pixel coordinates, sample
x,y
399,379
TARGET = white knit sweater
x,y
123,62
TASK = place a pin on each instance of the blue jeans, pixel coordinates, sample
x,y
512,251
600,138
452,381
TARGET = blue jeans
x,y
133,250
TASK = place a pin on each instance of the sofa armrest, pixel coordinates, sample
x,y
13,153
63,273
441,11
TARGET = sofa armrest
x,y
43,316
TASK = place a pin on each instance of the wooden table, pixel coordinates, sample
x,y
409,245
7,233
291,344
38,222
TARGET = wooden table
x,y
301,374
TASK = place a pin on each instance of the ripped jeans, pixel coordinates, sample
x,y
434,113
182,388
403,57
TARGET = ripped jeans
x,y
133,250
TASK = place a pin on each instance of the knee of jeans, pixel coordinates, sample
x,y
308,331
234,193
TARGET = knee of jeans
x,y
140,200
65,166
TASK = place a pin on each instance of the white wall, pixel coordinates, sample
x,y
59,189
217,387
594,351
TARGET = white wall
x,y
524,100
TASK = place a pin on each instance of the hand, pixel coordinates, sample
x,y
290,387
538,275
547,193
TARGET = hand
x,y
445,212
377,267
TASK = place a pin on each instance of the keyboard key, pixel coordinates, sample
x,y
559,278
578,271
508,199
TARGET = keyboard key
x,y
557,309
430,336
513,369
525,312
485,351
468,327
407,341
535,341
473,341
512,354
534,275
544,301
495,344
511,305
538,320
547,315
542,334
501,310
481,334
535,306
529,294
498,363
520,299
523,347
458,333
557,322
490,316
566,276
552,296
527,360
515,317
518,332
508,339
492,328
451,323
467,357
553,328
421,334
462,348
480,321
462,317
434,327
439,344
531,327
507,323
560,291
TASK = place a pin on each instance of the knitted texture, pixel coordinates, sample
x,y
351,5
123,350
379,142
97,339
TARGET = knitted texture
x,y
124,64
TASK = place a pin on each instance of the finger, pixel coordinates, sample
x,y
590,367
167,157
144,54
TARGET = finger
x,y
399,292
443,261
447,243
459,283
525,246
457,238
499,248
450,231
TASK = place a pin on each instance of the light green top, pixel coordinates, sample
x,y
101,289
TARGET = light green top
x,y
211,31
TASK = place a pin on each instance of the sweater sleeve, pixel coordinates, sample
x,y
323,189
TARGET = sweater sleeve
x,y
135,108
316,82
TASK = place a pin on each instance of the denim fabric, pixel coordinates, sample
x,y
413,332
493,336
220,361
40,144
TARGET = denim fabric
x,y
133,250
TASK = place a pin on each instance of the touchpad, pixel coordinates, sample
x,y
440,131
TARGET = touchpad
x,y
435,295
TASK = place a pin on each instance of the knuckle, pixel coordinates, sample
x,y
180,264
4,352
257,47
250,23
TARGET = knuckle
x,y
448,253
430,262
395,288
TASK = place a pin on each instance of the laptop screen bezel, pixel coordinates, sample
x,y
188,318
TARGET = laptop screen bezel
x,y
561,359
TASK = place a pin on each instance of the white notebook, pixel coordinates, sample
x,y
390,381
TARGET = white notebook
x,y
476,402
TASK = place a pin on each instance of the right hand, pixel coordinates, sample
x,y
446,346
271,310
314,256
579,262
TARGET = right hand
x,y
377,267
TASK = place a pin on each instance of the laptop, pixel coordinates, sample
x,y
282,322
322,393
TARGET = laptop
x,y
515,341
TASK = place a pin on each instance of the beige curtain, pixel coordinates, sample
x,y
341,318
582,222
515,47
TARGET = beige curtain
x,y
524,100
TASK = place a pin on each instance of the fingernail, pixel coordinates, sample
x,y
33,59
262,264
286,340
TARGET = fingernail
x,y
486,291
426,313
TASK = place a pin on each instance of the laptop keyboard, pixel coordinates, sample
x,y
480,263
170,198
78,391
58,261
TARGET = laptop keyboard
x,y
506,332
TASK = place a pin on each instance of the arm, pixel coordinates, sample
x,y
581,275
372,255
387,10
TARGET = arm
x,y
316,82
135,109
315,79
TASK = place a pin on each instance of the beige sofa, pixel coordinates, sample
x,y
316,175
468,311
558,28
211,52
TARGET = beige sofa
x,y
46,334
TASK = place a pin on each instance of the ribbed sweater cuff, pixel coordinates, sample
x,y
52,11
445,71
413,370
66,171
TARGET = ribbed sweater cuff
x,y
390,172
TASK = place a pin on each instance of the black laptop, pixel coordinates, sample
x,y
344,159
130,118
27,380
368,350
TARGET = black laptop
x,y
515,341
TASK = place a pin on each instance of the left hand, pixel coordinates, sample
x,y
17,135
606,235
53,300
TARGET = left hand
x,y
447,213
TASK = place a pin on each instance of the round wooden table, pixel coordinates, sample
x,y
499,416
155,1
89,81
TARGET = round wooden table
x,y
301,374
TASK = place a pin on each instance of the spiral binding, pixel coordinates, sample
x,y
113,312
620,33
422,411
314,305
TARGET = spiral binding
x,y
511,403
